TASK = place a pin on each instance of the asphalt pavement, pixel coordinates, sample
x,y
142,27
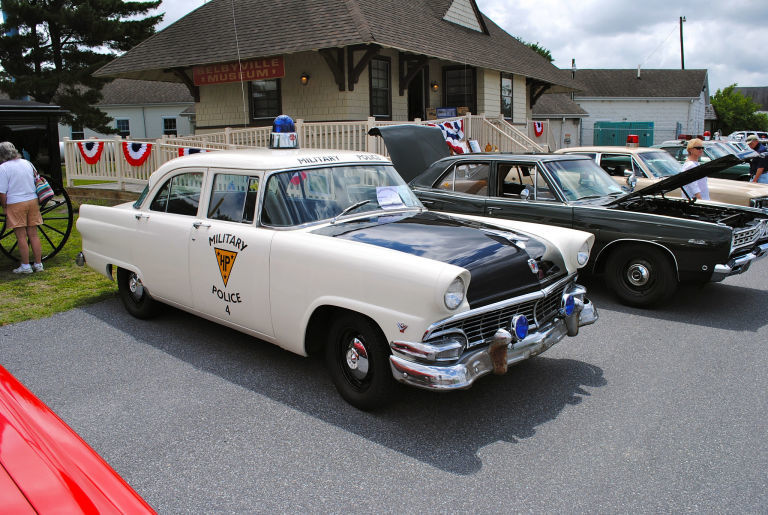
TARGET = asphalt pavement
x,y
646,411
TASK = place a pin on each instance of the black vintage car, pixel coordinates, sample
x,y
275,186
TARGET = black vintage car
x,y
646,244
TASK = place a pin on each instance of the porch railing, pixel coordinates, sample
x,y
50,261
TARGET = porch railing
x,y
113,165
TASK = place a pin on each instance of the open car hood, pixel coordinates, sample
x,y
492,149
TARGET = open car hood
x,y
412,148
681,179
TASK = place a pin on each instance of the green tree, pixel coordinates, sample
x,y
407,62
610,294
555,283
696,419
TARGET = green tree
x,y
735,112
50,48
546,54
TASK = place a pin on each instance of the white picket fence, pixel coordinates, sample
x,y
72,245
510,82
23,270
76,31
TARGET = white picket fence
x,y
494,133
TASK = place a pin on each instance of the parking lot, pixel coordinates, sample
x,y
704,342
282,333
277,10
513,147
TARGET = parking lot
x,y
646,411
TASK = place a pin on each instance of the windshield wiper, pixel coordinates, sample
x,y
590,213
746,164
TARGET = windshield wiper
x,y
349,209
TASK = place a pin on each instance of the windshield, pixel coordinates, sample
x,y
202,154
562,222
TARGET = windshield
x,y
582,178
715,151
297,197
661,164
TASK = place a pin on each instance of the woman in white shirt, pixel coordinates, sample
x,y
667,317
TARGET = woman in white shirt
x,y
698,188
18,198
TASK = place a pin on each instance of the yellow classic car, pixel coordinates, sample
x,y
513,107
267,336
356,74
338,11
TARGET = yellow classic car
x,y
653,164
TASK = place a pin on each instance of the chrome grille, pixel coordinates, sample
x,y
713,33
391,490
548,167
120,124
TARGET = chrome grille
x,y
480,328
746,236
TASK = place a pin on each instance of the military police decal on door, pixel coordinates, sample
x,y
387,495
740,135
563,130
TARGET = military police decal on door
x,y
225,259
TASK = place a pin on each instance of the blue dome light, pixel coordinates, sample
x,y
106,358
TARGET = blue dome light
x,y
283,133
520,326
283,123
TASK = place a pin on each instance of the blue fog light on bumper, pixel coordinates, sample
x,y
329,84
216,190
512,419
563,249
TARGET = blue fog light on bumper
x,y
477,363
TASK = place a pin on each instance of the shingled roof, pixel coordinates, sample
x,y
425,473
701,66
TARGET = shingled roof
x,y
273,27
650,84
556,106
132,92
759,95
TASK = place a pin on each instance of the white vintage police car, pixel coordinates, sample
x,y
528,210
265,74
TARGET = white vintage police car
x,y
330,251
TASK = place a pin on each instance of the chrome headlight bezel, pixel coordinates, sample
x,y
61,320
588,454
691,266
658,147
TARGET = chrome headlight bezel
x,y
582,256
455,294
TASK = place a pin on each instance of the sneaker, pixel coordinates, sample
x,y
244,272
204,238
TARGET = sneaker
x,y
38,267
23,269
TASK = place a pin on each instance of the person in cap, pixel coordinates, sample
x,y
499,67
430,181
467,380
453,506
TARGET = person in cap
x,y
698,188
758,165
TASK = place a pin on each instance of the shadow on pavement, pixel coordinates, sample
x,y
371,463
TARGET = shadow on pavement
x,y
445,430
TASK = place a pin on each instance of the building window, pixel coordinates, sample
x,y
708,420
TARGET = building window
x,y
169,127
381,88
77,132
123,126
459,88
265,101
506,95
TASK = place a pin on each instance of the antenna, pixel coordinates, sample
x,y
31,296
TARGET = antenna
x,y
239,67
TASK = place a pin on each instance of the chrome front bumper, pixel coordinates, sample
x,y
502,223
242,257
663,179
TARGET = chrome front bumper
x,y
738,265
476,364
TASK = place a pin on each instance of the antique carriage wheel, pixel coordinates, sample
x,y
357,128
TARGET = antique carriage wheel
x,y
57,225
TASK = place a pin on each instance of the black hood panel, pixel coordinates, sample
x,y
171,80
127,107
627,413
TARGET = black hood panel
x,y
412,148
681,179
496,258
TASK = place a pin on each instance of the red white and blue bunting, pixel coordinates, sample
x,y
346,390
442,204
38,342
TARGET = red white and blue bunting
x,y
91,151
538,128
453,132
136,153
187,151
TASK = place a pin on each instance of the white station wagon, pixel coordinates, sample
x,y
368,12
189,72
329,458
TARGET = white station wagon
x,y
330,251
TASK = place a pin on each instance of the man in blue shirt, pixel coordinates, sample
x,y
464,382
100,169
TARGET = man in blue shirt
x,y
759,163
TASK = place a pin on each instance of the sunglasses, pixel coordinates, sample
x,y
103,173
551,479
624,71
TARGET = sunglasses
x,y
698,148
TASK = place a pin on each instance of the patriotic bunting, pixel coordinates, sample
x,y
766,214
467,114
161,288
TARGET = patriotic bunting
x,y
136,153
538,128
91,151
187,151
453,132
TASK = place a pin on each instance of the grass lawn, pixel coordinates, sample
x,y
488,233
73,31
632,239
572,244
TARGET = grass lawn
x,y
61,286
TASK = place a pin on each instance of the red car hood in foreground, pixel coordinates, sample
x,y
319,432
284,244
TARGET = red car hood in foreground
x,y
46,467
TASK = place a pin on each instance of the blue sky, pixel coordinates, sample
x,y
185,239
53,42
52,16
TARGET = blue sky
x,y
725,37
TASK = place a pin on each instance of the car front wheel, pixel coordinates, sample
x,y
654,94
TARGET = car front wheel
x,y
357,357
136,298
640,275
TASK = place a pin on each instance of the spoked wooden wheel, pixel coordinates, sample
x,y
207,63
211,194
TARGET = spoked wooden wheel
x,y
57,225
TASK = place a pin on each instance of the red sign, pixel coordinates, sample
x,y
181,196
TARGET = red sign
x,y
256,69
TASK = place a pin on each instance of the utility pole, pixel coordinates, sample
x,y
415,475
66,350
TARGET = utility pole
x,y
682,53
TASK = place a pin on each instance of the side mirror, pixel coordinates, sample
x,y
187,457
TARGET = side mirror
x,y
525,194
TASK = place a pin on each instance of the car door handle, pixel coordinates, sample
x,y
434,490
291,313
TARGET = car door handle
x,y
139,216
197,225
492,209
427,202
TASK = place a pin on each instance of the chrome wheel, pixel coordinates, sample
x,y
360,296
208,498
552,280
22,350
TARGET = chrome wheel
x,y
357,359
638,274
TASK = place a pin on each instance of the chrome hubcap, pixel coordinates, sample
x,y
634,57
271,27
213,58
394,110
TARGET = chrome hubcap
x,y
357,359
638,274
135,286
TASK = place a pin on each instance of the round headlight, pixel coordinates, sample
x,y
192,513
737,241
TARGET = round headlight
x,y
583,255
454,295
520,326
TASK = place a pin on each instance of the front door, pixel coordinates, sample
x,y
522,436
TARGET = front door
x,y
416,96
229,255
